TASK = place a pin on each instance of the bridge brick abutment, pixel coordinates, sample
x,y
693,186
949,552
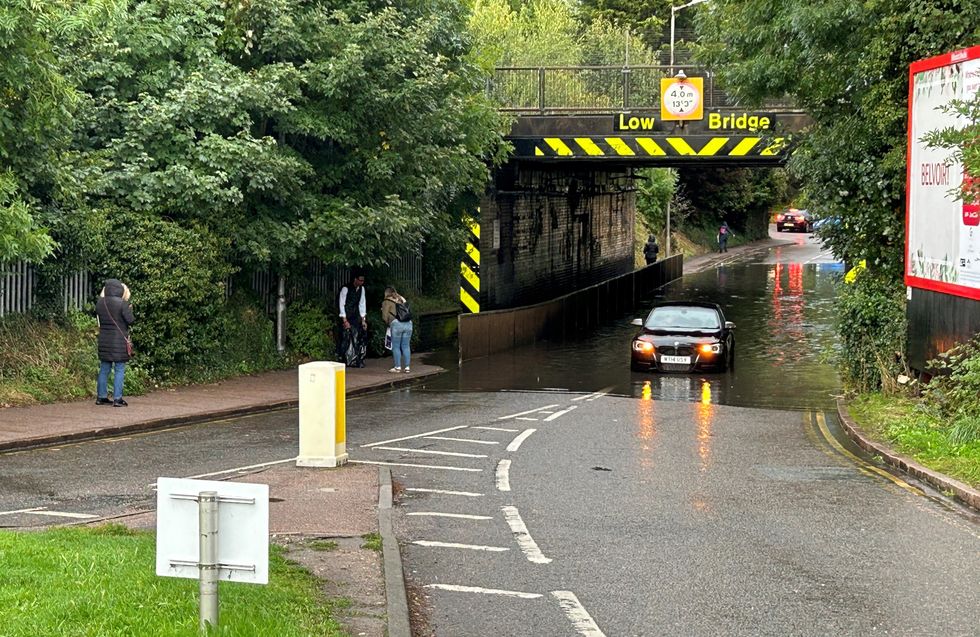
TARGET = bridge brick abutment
x,y
549,229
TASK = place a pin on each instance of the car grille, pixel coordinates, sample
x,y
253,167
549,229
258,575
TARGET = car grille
x,y
683,350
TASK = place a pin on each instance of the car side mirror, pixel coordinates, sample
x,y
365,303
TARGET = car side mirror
x,y
729,325
637,322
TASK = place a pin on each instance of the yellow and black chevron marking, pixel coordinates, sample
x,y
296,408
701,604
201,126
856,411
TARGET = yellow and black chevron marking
x,y
646,147
469,271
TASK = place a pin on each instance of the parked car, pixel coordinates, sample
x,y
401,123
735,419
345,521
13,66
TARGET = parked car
x,y
793,219
682,336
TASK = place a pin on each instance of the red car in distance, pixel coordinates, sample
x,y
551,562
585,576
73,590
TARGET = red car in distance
x,y
793,219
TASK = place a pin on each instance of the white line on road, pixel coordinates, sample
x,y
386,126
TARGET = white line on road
x,y
245,468
529,411
475,442
21,511
454,545
528,546
576,613
526,418
559,414
497,429
421,435
63,514
468,494
461,516
515,444
485,591
436,453
503,475
419,466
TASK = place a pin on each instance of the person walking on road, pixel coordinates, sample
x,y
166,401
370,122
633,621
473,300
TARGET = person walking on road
x,y
724,232
115,349
398,315
651,250
353,319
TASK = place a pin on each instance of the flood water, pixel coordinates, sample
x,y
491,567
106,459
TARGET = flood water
x,y
784,316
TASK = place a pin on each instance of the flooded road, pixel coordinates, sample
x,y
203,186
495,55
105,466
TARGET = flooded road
x,y
780,299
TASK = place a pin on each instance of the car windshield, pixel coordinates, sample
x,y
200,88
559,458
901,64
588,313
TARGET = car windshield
x,y
673,317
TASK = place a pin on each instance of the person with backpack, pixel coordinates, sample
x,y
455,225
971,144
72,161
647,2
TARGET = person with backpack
x,y
398,316
353,318
723,233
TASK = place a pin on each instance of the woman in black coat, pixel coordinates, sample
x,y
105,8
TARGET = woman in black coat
x,y
115,348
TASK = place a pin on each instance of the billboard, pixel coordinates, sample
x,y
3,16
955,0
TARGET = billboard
x,y
942,234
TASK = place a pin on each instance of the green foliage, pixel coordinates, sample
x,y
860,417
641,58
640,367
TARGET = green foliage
x,y
846,64
372,541
962,141
245,344
101,581
872,329
655,188
646,18
311,330
953,395
177,279
743,197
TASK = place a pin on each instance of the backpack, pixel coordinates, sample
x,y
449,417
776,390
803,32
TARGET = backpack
x,y
403,313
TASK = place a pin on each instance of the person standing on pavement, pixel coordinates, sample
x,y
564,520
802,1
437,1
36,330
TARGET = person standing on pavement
x,y
651,250
353,318
398,315
724,232
115,349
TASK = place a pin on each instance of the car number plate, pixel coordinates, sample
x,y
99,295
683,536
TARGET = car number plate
x,y
677,360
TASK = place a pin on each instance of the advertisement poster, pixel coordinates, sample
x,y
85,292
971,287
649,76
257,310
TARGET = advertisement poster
x,y
942,233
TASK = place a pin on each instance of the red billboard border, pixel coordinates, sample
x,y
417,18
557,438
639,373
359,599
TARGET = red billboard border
x,y
946,59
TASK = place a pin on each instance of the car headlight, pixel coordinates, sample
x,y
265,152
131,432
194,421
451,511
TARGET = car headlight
x,y
643,346
710,348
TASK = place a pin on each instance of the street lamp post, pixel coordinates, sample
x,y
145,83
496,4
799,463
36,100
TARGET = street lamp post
x,y
673,16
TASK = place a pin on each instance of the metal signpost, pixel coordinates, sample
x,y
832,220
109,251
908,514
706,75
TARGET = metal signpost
x,y
189,544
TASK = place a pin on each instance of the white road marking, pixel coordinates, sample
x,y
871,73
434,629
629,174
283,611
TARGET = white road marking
x,y
21,511
524,413
63,514
526,418
528,546
421,435
419,466
598,394
576,613
468,494
461,516
454,545
484,591
497,429
515,444
433,452
503,475
245,468
559,414
475,442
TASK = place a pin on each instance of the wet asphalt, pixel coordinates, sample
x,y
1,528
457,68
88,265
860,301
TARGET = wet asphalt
x,y
638,505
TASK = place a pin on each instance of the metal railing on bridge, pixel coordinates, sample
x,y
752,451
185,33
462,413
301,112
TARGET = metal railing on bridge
x,y
544,90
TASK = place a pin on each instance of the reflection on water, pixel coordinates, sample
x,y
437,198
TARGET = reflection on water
x,y
705,415
784,317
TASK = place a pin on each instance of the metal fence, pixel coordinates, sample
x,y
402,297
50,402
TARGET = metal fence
x,y
598,89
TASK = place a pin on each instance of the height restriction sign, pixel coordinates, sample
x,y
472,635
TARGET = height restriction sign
x,y
681,98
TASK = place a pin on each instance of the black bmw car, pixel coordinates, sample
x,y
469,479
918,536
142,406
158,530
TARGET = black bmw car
x,y
681,336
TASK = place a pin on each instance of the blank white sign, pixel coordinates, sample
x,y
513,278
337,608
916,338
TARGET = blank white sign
x,y
243,529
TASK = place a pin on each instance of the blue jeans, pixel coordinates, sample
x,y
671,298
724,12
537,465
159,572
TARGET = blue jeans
x,y
117,379
401,342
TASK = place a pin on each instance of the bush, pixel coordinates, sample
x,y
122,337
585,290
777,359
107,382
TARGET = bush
x,y
245,344
872,330
177,277
953,395
311,331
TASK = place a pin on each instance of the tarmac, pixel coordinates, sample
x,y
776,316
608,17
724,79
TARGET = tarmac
x,y
349,502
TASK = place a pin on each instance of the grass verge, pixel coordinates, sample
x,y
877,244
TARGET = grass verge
x,y
101,581
908,429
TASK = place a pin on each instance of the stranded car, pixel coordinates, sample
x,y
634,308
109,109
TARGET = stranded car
x,y
682,336
793,219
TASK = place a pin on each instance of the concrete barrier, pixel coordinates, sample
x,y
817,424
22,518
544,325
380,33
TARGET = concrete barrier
x,y
573,314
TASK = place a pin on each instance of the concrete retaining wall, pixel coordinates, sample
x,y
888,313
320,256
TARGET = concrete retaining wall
x,y
573,314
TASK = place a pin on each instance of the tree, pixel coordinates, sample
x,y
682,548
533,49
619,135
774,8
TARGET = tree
x,y
845,63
